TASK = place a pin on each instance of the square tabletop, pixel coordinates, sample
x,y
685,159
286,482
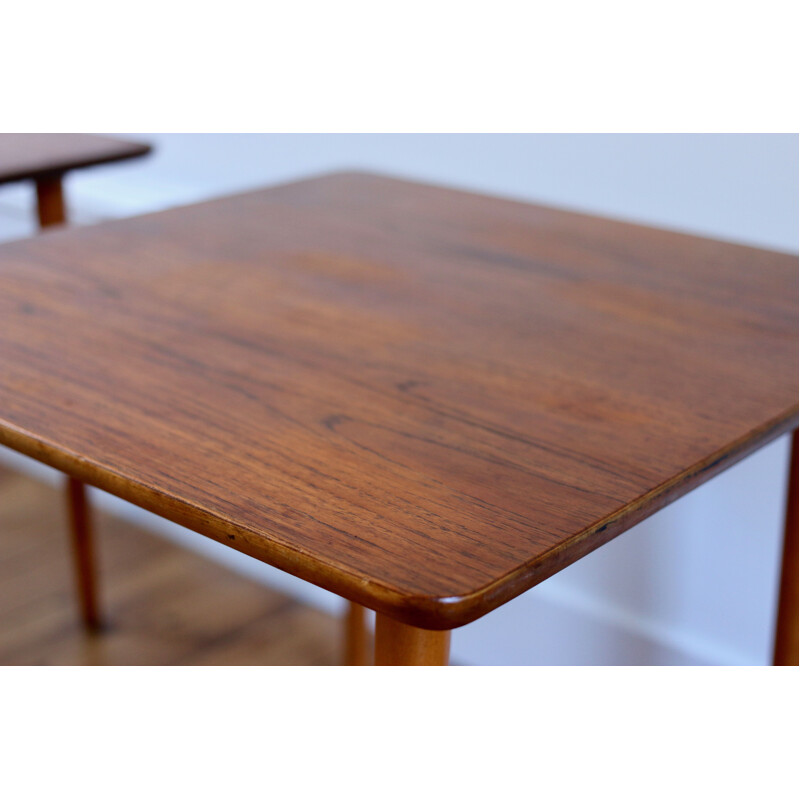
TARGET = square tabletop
x,y
422,399
26,156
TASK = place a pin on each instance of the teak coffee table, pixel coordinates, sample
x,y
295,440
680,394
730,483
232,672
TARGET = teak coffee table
x,y
424,400
44,159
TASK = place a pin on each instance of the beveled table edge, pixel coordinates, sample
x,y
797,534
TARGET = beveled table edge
x,y
433,613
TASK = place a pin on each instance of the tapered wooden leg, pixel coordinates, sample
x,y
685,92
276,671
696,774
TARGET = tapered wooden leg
x,y
50,201
397,644
356,641
786,654
83,553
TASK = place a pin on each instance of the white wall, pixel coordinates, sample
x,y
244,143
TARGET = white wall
x,y
695,583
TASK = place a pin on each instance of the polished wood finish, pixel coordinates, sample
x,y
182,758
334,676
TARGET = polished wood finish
x,y
163,604
786,631
35,156
83,553
424,400
356,638
400,645
50,206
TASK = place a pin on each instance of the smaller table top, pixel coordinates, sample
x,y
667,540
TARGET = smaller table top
x,y
27,156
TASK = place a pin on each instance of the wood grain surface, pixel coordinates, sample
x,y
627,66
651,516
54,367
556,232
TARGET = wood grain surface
x,y
25,156
422,399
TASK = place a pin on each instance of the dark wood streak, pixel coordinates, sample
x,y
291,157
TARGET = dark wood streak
x,y
424,400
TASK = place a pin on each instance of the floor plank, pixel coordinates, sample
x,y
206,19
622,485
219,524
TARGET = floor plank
x,y
163,605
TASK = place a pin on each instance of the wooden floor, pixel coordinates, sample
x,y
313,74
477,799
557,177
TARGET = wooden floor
x,y
163,604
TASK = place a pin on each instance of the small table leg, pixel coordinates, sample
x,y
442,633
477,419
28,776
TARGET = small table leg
x,y
356,640
50,201
786,648
397,644
83,553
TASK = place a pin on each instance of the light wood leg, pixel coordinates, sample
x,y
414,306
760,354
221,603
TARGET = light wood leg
x,y
397,644
786,648
356,641
83,553
50,201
